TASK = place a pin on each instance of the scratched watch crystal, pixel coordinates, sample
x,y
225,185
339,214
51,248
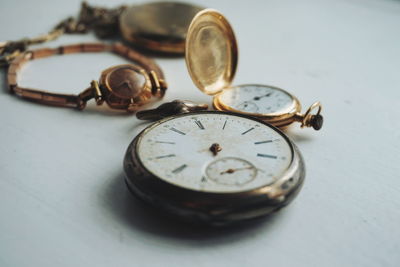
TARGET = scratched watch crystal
x,y
214,167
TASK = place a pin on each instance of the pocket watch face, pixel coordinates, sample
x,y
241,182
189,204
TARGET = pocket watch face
x,y
214,152
256,100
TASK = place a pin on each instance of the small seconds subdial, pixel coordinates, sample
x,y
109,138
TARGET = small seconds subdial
x,y
231,171
256,99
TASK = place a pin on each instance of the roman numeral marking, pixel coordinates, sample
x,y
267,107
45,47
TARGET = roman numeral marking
x,y
199,124
179,169
166,156
165,142
223,128
262,142
266,156
251,129
177,131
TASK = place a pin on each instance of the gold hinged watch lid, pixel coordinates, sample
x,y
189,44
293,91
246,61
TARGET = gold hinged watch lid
x,y
211,51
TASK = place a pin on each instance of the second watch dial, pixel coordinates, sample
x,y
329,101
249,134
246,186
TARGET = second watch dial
x,y
256,99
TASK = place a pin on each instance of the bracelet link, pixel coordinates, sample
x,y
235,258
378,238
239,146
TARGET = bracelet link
x,y
159,85
97,93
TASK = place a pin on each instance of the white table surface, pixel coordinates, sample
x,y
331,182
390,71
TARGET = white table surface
x,y
63,201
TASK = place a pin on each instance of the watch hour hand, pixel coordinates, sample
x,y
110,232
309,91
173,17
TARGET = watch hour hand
x,y
125,84
259,97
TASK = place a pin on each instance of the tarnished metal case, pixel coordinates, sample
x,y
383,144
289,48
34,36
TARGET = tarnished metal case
x,y
212,208
158,26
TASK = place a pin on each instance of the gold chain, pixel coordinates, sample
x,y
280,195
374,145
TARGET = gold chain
x,y
103,21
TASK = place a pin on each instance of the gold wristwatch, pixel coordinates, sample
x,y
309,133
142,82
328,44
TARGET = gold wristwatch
x,y
125,87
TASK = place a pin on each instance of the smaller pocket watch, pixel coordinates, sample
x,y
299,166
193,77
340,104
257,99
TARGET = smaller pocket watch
x,y
212,167
211,57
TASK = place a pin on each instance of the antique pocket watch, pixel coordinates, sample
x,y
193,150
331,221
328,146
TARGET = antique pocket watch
x,y
215,167
212,167
211,57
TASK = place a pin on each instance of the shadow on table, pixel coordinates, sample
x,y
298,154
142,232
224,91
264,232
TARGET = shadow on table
x,y
299,136
132,212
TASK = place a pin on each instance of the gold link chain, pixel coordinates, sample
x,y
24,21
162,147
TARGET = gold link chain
x,y
103,21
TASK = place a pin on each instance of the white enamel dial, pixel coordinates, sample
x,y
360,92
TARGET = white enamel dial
x,y
215,152
259,99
